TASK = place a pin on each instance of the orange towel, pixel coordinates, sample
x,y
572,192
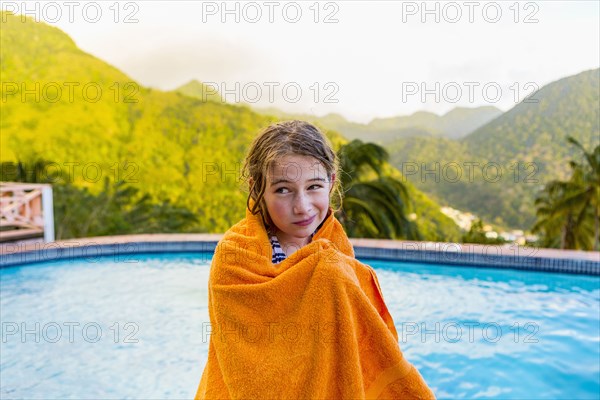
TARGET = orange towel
x,y
314,326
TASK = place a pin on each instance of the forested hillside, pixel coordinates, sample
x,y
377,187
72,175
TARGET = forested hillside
x,y
66,106
506,162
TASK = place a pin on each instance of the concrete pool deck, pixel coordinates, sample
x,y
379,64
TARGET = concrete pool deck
x,y
509,256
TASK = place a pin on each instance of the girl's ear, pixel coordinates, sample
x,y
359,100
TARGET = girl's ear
x,y
331,181
250,183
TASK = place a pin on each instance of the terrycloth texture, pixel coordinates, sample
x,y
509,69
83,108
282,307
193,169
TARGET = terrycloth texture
x,y
314,326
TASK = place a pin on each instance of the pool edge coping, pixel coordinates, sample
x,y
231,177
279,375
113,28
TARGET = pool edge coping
x,y
509,256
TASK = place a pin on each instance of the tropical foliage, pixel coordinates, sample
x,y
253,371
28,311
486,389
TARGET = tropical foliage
x,y
375,205
568,211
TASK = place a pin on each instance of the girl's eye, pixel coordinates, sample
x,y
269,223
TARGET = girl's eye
x,y
284,190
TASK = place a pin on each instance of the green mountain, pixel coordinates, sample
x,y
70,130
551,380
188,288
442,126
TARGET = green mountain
x,y
200,91
64,105
457,123
461,121
536,131
504,163
169,145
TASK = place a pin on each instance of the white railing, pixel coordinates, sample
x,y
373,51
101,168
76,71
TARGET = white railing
x,y
28,207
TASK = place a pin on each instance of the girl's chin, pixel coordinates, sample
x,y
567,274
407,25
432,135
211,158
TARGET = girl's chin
x,y
305,231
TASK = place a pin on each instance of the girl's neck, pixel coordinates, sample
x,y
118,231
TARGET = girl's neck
x,y
290,245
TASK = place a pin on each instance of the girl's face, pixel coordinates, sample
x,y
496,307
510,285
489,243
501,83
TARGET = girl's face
x,y
297,198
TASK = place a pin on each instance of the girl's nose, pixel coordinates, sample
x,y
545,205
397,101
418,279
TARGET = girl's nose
x,y
301,204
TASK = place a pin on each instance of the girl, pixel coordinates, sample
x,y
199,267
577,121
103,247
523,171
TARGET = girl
x,y
293,314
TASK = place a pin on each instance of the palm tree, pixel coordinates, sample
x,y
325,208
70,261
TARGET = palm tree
x,y
568,211
374,205
557,227
588,184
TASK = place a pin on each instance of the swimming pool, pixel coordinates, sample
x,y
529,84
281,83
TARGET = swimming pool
x,y
137,327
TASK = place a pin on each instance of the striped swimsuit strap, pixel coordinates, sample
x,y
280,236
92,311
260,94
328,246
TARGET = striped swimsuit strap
x,y
278,255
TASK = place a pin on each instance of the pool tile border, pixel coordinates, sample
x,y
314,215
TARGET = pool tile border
x,y
468,255
475,260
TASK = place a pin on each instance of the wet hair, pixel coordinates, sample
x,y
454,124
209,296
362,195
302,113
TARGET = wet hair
x,y
280,140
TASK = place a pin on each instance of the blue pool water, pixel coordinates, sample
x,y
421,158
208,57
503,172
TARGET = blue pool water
x,y
137,327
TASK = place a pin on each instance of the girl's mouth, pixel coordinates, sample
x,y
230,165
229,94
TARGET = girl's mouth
x,y
306,221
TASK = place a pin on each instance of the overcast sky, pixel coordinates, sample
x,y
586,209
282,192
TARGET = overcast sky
x,y
370,59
